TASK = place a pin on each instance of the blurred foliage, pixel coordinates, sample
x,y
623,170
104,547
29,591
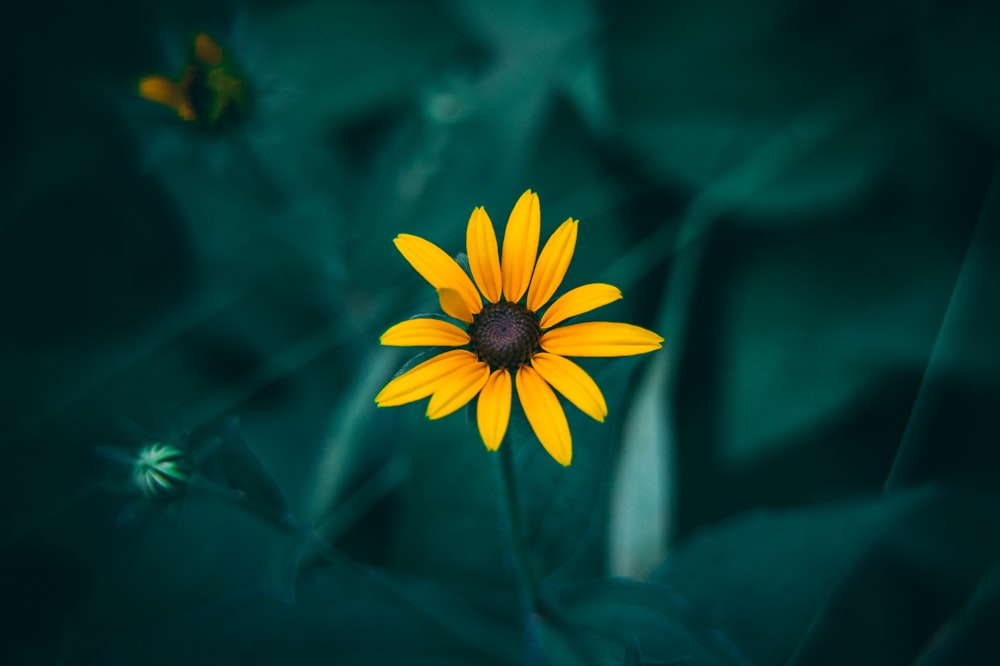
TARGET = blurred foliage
x,y
800,196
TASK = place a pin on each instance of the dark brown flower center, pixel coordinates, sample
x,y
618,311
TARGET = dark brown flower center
x,y
505,335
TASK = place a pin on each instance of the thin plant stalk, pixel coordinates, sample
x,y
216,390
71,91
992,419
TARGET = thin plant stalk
x,y
511,508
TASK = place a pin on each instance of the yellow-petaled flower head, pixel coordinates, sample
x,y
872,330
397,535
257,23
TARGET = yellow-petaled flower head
x,y
507,345
160,470
211,91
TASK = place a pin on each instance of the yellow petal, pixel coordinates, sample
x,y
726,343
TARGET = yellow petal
x,y
453,305
573,382
456,390
207,51
163,91
578,301
600,338
435,266
552,264
493,409
484,259
421,380
545,414
424,333
520,245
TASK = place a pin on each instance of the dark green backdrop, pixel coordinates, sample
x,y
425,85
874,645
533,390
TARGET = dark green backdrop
x,y
801,197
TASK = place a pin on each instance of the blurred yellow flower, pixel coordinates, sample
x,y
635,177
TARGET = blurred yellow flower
x,y
506,344
210,91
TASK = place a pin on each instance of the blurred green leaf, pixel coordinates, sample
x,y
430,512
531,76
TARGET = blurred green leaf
x,y
920,571
342,613
968,636
960,62
760,577
728,115
824,580
799,343
642,492
246,473
959,391
600,622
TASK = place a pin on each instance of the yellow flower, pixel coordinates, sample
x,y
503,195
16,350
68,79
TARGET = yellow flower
x,y
506,343
210,90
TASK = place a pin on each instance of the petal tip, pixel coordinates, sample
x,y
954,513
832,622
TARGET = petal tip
x,y
404,238
207,50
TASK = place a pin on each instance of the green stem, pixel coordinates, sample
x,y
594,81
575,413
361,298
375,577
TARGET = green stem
x,y
522,559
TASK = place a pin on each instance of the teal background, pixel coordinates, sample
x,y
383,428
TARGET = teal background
x,y
801,197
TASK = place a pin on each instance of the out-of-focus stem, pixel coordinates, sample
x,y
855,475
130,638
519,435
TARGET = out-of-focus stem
x,y
512,510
